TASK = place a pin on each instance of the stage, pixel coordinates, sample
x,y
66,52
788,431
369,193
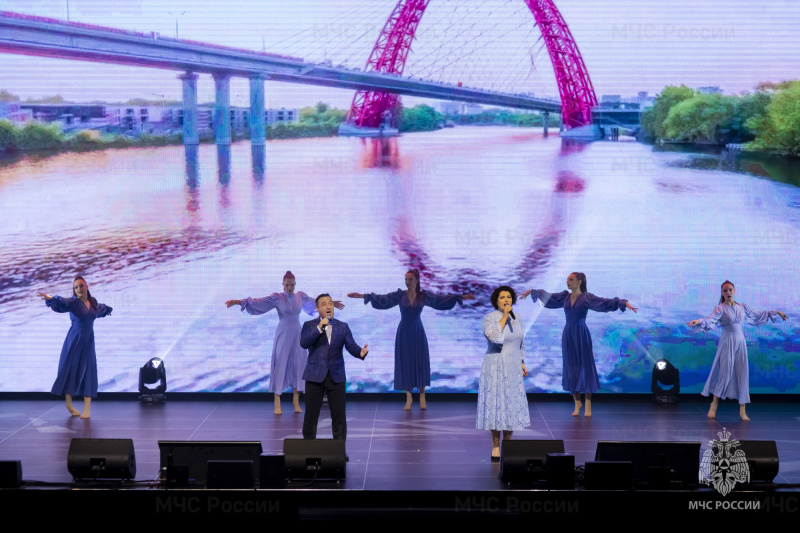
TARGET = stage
x,y
431,461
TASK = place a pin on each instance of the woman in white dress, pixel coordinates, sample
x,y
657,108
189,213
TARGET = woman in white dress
x,y
502,403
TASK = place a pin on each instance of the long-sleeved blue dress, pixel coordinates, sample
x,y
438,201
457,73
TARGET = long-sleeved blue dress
x,y
77,366
730,375
502,404
288,357
579,372
412,361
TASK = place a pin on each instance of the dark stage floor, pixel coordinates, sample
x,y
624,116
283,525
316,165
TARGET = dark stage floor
x,y
389,449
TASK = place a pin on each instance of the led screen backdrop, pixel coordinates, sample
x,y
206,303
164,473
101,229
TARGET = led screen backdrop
x,y
165,236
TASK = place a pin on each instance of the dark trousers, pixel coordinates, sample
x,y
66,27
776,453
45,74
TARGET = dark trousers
x,y
314,394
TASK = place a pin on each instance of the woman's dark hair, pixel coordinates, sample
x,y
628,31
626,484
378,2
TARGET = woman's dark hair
x,y
721,297
503,288
92,300
582,278
415,272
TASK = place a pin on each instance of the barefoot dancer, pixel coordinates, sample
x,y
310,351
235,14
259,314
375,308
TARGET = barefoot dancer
x,y
288,358
730,377
77,367
579,371
412,362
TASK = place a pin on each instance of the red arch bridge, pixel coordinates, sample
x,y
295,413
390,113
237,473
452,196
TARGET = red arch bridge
x,y
378,86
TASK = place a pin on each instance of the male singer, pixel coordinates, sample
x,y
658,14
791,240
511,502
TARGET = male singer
x,y
324,337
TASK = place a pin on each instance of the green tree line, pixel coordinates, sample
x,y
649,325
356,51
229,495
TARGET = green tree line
x,y
767,119
35,136
507,118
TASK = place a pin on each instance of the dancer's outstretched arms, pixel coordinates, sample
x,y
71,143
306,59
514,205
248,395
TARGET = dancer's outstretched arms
x,y
708,323
57,303
380,301
553,300
756,318
606,305
445,302
258,306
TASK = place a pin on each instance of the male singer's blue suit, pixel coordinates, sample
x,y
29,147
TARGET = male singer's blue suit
x,y
325,373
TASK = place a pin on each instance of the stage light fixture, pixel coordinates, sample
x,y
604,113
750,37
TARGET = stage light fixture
x,y
151,373
665,375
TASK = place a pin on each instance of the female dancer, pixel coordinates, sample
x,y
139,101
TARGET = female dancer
x,y
412,363
502,404
77,367
579,371
288,358
730,377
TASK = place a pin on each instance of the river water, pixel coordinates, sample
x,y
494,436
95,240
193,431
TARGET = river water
x,y
166,239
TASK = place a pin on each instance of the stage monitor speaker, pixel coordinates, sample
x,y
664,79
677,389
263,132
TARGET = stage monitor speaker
x,y
10,474
90,459
185,463
526,460
273,471
315,459
762,459
560,471
608,475
661,465
230,475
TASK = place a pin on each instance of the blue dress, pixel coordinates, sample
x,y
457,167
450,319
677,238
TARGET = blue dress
x,y
730,375
502,404
579,373
77,367
288,357
412,361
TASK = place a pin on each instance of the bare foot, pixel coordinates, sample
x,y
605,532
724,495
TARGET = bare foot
x,y
87,403
743,415
577,410
588,411
296,401
70,408
712,413
422,404
407,407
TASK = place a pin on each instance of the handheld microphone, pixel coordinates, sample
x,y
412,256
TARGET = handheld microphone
x,y
511,314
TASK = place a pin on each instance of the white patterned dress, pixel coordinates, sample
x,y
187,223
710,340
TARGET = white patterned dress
x,y
502,404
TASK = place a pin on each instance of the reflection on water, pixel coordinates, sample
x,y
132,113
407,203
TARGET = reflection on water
x,y
380,152
166,235
774,167
224,163
259,152
125,256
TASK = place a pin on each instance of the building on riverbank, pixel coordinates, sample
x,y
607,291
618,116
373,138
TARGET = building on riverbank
x,y
135,119
12,112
